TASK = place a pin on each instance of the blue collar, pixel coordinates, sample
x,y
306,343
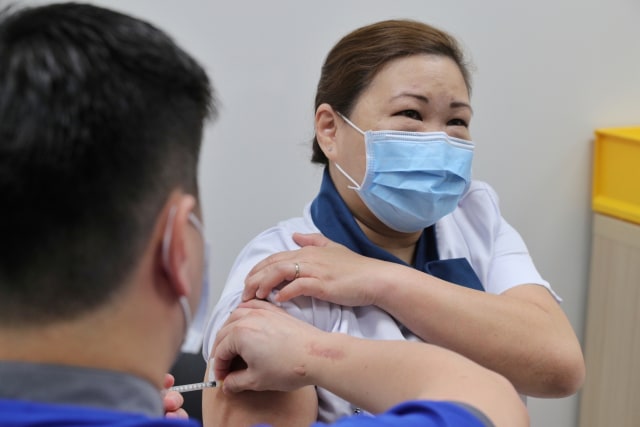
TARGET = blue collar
x,y
333,218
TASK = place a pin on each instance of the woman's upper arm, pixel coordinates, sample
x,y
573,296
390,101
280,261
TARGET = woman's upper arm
x,y
297,408
249,408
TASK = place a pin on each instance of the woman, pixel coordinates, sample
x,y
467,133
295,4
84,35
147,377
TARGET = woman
x,y
400,243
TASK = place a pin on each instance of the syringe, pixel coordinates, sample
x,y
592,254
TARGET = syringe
x,y
196,386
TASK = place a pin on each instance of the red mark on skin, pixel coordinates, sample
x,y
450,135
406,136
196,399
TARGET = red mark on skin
x,y
327,353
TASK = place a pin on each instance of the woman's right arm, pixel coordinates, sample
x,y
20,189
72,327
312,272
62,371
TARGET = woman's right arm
x,y
250,408
295,408
299,407
374,375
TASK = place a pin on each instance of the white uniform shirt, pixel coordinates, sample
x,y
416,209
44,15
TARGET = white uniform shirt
x,y
475,230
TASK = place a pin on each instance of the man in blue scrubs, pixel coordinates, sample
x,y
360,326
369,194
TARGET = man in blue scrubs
x,y
103,255
103,261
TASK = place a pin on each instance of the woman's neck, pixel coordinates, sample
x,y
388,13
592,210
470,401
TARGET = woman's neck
x,y
401,245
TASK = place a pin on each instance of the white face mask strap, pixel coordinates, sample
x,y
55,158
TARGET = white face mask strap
x,y
350,123
186,310
183,300
355,185
166,244
196,223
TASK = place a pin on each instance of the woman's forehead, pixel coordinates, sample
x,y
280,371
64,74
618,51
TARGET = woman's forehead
x,y
418,76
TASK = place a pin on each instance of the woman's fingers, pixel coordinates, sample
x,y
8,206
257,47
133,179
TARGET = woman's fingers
x,y
281,268
309,287
264,305
279,271
321,269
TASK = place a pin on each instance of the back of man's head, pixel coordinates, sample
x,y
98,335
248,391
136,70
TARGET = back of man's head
x,y
101,117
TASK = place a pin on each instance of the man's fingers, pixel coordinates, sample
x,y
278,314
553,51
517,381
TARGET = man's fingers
x,y
169,380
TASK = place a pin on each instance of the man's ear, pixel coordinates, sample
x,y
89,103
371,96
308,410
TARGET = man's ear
x,y
326,130
174,243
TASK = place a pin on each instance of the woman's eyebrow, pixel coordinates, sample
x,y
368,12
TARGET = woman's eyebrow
x,y
424,99
421,98
461,104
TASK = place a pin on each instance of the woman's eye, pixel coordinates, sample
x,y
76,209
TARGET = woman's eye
x,y
457,122
412,114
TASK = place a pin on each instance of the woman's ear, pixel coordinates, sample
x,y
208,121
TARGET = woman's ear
x,y
326,130
175,244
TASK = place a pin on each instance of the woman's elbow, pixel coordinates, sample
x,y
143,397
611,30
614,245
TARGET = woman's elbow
x,y
565,376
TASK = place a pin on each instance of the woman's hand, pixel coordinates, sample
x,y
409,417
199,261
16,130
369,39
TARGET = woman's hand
x,y
273,347
321,269
172,400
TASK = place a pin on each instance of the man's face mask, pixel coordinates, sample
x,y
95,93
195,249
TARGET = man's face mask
x,y
412,178
194,325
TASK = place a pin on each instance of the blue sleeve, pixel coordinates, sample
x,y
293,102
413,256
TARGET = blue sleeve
x,y
419,413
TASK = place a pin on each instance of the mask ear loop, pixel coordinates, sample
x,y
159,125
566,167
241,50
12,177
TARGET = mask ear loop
x,y
166,244
205,273
355,185
350,123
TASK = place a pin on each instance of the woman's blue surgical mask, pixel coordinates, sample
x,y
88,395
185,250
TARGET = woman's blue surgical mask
x,y
412,179
195,325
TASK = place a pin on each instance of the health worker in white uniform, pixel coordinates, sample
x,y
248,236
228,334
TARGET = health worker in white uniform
x,y
400,243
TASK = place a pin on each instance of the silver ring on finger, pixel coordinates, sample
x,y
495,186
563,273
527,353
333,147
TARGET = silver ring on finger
x,y
297,271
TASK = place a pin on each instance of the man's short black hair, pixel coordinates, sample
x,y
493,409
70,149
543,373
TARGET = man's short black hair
x,y
101,117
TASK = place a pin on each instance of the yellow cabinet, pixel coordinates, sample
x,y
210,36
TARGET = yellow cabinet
x,y
611,394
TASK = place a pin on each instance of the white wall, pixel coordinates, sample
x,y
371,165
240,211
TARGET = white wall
x,y
548,73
